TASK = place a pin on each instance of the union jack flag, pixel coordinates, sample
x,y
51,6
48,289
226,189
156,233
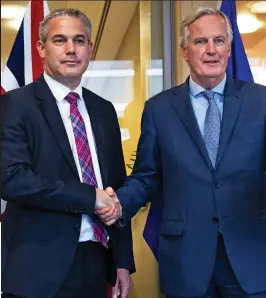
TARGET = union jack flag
x,y
24,64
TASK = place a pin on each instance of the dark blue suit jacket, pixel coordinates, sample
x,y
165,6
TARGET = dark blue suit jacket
x,y
40,182
198,200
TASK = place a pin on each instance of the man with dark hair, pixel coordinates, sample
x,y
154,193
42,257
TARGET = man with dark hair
x,y
60,146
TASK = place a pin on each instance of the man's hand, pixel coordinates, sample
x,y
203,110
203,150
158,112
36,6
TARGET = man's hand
x,y
103,200
108,208
123,284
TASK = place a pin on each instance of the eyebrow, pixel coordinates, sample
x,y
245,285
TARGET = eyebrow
x,y
220,36
205,37
64,36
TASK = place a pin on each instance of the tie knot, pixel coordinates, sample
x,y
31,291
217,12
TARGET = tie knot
x,y
72,98
208,94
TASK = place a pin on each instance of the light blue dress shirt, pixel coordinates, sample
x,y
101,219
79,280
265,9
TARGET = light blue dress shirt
x,y
200,103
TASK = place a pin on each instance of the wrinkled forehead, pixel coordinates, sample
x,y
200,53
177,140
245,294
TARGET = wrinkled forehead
x,y
66,25
209,26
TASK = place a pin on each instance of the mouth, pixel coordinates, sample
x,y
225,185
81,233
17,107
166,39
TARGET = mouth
x,y
71,62
211,62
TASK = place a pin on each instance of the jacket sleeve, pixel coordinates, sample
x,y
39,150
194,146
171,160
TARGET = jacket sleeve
x,y
145,178
121,238
19,183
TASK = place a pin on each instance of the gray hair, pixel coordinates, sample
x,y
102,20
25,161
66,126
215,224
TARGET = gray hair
x,y
200,12
70,12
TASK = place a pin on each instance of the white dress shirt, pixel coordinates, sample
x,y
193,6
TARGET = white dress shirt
x,y
200,103
60,92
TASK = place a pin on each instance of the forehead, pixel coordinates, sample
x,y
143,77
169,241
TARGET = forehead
x,y
210,25
66,25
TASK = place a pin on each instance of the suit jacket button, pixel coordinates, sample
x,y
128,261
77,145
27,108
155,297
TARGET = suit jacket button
x,y
77,227
217,185
215,219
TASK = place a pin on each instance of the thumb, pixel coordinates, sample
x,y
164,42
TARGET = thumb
x,y
115,291
110,191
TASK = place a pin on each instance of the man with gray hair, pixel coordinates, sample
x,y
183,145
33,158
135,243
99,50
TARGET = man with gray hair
x,y
60,145
204,144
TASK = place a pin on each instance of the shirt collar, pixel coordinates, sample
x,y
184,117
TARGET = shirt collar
x,y
59,90
195,89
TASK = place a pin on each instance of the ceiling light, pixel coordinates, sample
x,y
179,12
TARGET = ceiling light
x,y
258,7
247,23
12,12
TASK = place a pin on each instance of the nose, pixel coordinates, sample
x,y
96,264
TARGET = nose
x,y
210,48
70,47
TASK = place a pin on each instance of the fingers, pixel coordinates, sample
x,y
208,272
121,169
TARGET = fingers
x,y
110,192
124,282
109,223
110,217
103,200
103,211
124,290
115,291
107,206
108,214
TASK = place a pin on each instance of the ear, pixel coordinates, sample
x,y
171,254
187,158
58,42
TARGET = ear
x,y
184,53
41,49
90,49
229,50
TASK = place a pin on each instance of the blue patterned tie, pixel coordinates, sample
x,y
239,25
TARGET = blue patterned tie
x,y
212,127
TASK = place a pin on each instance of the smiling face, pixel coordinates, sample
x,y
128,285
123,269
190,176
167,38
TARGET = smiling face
x,y
208,50
67,50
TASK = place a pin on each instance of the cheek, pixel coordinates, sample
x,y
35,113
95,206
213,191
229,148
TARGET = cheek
x,y
85,56
196,57
197,61
225,54
53,62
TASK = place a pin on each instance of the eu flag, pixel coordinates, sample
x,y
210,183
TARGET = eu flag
x,y
237,68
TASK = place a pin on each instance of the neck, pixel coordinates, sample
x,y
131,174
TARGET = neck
x,y
71,83
207,83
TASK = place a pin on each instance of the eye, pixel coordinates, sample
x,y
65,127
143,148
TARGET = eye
x,y
200,42
219,41
80,41
59,40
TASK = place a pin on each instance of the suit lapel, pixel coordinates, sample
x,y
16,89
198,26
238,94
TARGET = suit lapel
x,y
232,107
49,109
182,104
96,119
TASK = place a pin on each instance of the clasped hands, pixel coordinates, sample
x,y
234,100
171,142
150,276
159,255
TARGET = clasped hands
x,y
107,206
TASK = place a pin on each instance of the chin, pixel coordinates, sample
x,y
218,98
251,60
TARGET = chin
x,y
72,75
213,75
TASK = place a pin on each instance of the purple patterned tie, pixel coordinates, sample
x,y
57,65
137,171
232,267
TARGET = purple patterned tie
x,y
85,161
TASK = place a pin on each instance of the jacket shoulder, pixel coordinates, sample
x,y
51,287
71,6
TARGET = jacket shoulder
x,y
254,87
19,91
20,96
163,95
252,93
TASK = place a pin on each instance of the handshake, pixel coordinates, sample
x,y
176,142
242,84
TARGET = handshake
x,y
107,206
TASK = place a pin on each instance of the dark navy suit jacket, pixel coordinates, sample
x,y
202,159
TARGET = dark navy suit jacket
x,y
198,200
40,182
